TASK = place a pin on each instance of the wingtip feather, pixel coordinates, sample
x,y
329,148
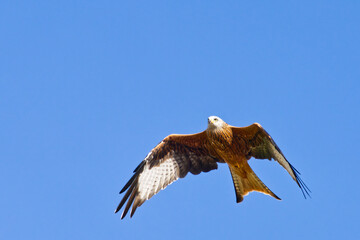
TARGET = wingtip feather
x,y
129,203
304,188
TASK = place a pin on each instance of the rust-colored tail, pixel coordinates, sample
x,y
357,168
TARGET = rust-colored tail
x,y
245,181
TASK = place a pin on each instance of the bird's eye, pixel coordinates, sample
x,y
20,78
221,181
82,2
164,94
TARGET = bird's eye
x,y
215,119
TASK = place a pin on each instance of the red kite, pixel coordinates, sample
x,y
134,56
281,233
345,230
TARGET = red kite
x,y
177,155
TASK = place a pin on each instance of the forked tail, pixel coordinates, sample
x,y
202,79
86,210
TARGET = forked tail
x,y
245,181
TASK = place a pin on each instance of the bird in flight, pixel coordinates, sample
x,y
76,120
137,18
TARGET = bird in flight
x,y
179,154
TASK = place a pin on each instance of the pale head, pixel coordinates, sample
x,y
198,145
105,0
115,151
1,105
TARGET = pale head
x,y
215,122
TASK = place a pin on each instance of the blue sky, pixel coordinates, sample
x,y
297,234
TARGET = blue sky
x,y
88,88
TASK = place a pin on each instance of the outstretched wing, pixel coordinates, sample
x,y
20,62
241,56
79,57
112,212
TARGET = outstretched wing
x,y
259,144
171,159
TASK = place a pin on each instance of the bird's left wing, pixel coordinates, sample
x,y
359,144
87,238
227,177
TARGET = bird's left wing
x,y
259,144
171,159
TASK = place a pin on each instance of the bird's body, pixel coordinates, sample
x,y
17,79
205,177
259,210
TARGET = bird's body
x,y
178,154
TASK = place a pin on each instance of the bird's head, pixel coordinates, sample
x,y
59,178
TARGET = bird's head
x,y
215,122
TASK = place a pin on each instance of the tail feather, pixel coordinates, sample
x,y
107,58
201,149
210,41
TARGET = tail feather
x,y
245,181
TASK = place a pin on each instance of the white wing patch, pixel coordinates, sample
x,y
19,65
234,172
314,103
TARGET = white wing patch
x,y
283,162
151,181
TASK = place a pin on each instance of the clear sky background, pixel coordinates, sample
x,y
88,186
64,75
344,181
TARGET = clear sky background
x,y
88,88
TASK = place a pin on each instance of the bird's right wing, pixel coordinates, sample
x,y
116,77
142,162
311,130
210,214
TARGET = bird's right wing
x,y
171,159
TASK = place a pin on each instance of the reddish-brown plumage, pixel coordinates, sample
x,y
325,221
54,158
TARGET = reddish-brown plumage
x,y
177,155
